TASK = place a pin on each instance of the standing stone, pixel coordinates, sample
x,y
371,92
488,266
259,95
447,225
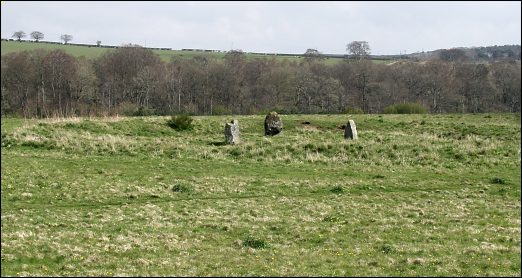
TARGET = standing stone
x,y
273,124
232,132
350,132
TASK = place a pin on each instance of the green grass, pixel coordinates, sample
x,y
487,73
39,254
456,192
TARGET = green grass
x,y
165,55
416,195
77,51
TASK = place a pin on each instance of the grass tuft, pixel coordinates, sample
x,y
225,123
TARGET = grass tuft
x,y
256,243
182,188
386,248
337,189
497,180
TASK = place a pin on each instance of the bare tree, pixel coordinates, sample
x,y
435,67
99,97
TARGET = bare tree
x,y
43,83
66,38
37,35
312,55
59,70
506,78
452,55
359,49
364,75
235,58
19,35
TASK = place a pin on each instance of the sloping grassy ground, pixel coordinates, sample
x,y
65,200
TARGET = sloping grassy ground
x,y
416,195
95,52
165,55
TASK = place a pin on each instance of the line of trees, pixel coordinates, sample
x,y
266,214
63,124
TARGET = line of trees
x,y
135,81
37,36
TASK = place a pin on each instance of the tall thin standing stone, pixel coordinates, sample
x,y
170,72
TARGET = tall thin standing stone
x,y
232,132
350,132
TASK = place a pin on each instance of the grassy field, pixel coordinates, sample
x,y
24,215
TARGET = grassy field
x,y
416,195
165,55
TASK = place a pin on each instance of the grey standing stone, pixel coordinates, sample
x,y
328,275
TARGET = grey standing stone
x,y
273,124
232,132
350,132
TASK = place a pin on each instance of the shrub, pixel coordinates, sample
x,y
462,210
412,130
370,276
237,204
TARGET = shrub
x,y
392,109
405,108
127,108
266,111
221,110
353,110
180,122
132,110
144,111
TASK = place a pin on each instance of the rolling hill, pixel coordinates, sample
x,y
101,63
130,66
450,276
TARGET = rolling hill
x,y
166,54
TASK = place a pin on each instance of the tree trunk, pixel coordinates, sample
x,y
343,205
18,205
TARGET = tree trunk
x,y
179,101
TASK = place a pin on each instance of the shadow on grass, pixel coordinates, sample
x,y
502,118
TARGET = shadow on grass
x,y
217,143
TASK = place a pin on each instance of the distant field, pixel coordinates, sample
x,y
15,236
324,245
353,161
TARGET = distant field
x,y
416,195
77,51
165,55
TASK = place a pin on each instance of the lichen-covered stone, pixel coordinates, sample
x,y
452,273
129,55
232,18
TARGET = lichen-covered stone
x,y
350,131
232,132
273,124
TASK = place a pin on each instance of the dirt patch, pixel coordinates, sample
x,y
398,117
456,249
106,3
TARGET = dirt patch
x,y
309,127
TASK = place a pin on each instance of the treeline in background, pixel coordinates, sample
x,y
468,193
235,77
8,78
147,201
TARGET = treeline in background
x,y
135,81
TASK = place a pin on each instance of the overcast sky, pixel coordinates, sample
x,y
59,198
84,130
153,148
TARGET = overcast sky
x,y
284,27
